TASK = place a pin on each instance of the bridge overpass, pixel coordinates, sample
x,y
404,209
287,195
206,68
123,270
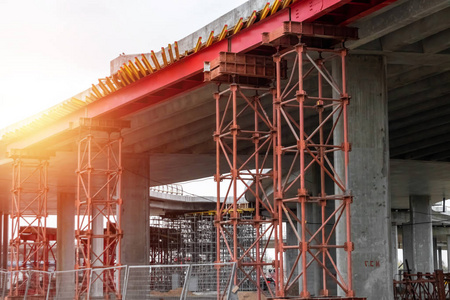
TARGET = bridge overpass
x,y
398,78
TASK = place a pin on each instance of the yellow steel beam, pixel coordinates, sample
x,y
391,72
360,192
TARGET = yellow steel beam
x,y
177,50
129,73
134,70
90,98
147,64
238,26
210,39
251,20
96,91
117,81
164,57
265,11
286,3
110,84
169,49
103,87
140,66
77,101
124,77
199,45
223,33
155,60
275,6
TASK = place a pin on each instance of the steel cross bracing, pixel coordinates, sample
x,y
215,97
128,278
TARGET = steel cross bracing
x,y
29,247
312,147
99,203
273,141
242,107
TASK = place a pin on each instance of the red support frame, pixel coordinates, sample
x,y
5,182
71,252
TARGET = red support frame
x,y
306,122
29,246
241,107
99,202
296,131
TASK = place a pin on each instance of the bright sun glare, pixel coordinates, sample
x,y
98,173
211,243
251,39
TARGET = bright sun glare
x,y
52,50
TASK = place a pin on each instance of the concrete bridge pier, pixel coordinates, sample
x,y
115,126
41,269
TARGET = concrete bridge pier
x,y
5,240
65,235
314,273
448,252
135,210
418,236
368,177
65,231
394,245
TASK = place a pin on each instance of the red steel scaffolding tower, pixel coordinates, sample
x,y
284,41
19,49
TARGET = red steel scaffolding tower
x,y
28,219
244,107
99,202
284,135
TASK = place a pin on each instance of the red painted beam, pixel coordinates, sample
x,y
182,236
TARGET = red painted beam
x,y
185,68
308,11
243,41
116,103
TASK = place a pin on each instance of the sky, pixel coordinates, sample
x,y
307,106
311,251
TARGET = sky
x,y
51,50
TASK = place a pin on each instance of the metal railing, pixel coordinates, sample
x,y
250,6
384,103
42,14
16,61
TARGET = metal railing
x,y
167,282
173,189
423,286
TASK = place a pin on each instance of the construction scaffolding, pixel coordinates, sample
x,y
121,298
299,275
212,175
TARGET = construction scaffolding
x,y
312,147
29,246
191,239
250,128
182,239
273,140
198,238
165,241
98,204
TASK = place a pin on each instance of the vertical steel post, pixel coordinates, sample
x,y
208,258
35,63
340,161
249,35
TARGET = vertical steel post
x,y
218,216
310,122
99,201
278,194
303,120
239,106
28,244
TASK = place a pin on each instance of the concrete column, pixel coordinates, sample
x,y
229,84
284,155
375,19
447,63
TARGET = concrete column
x,y
439,258
65,242
422,234
435,254
135,210
5,240
368,178
408,246
313,271
65,232
448,252
97,249
291,254
2,215
313,219
394,241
